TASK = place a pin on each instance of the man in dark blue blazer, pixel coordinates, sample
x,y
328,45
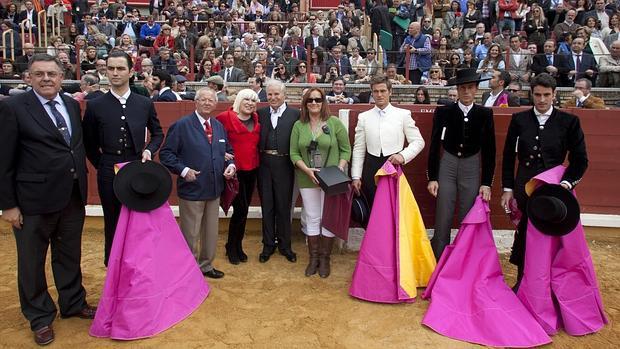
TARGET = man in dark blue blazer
x,y
337,58
115,127
197,150
580,63
162,81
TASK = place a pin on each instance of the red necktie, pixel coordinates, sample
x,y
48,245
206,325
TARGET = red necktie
x,y
208,131
295,52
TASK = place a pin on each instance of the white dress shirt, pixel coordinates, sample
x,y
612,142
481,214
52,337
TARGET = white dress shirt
x,y
465,108
383,132
62,108
492,98
275,114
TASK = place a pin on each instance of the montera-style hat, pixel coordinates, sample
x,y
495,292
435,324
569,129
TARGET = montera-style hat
x,y
465,76
360,213
143,186
553,210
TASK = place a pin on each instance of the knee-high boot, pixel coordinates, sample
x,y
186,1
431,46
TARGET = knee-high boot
x,y
313,252
324,255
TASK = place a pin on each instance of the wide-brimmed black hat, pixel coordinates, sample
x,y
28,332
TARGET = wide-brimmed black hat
x,y
465,76
360,213
553,210
142,186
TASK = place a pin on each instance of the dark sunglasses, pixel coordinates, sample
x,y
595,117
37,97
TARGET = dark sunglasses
x,y
315,100
513,90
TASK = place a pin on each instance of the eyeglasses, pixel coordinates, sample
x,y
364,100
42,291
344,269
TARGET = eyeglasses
x,y
41,74
302,66
513,90
315,100
435,72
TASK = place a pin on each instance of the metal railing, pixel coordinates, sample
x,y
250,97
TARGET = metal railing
x,y
11,39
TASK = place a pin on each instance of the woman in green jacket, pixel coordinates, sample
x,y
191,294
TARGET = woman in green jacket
x,y
317,140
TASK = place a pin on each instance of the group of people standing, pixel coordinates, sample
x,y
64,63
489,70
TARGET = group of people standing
x,y
43,183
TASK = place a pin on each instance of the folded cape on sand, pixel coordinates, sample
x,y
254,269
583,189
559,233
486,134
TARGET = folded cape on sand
x,y
559,285
153,281
469,299
395,256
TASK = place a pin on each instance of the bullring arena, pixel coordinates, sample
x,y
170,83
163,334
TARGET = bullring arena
x,y
273,305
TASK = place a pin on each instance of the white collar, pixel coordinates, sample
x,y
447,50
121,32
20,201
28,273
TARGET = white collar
x,y
547,113
385,110
465,108
202,119
44,100
280,109
164,89
124,97
493,95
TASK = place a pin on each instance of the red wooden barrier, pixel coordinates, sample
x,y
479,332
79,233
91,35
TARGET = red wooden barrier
x,y
598,192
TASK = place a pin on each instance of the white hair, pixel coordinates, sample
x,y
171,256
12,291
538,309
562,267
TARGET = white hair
x,y
205,90
277,84
246,93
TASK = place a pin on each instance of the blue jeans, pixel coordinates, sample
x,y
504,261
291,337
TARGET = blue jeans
x,y
506,22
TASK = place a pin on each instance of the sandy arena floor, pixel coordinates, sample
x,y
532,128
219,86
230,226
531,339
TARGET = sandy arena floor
x,y
273,305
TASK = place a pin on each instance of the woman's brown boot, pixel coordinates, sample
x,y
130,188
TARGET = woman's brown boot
x,y
313,252
325,252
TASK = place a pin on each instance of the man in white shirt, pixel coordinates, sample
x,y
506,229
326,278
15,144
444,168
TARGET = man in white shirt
x,y
380,136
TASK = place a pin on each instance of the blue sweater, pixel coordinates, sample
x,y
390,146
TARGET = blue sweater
x,y
146,31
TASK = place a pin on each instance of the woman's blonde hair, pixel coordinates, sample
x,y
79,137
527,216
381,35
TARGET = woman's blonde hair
x,y
246,93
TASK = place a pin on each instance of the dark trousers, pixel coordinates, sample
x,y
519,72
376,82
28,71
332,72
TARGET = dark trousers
x,y
241,204
524,174
63,230
275,188
109,203
372,164
458,177
415,76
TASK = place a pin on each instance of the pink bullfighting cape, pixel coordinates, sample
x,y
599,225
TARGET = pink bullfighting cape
x,y
395,256
469,299
559,285
153,281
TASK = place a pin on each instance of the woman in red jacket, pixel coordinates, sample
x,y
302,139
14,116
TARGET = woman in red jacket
x,y
243,129
165,38
507,14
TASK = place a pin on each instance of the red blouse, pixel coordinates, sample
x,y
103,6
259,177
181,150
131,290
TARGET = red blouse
x,y
243,141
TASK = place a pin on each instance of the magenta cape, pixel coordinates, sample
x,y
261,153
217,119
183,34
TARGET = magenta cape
x,y
559,285
395,256
153,281
469,299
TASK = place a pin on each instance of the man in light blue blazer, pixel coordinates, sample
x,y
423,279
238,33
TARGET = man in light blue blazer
x,y
196,150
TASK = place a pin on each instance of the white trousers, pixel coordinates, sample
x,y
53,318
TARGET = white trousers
x,y
313,199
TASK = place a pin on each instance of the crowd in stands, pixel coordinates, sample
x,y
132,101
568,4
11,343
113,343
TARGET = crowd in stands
x,y
257,40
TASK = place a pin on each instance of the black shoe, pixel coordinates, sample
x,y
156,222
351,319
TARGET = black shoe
x,y
44,335
231,253
266,254
263,257
290,256
242,256
213,274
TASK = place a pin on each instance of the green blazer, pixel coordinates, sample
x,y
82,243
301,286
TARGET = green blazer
x,y
336,145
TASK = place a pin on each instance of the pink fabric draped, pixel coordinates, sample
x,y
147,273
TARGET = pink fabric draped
x,y
153,281
395,256
469,299
559,285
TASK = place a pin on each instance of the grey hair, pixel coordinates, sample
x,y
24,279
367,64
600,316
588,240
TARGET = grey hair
x,y
587,81
90,79
246,93
277,84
